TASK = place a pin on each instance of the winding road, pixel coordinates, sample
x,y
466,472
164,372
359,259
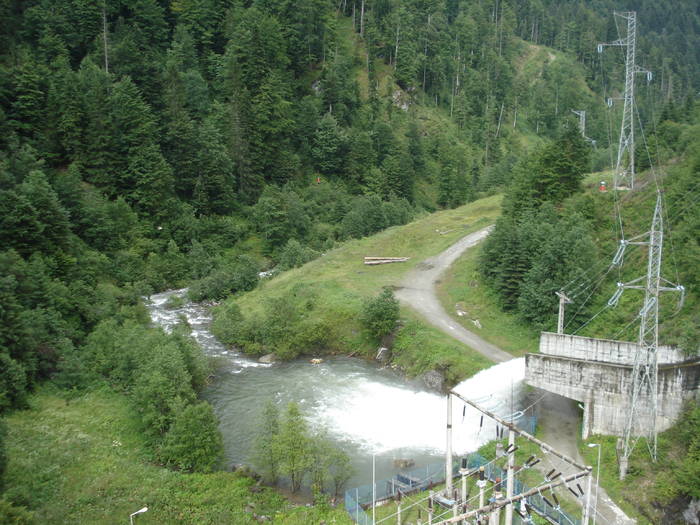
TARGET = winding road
x,y
418,291
559,417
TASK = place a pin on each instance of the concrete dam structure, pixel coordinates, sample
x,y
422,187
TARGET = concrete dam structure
x,y
599,374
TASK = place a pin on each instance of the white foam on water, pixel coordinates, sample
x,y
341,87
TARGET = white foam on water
x,y
377,412
382,418
199,318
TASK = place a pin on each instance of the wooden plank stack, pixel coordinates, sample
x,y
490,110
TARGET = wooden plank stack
x,y
372,261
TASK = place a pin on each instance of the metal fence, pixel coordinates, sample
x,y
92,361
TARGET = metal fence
x,y
419,479
414,480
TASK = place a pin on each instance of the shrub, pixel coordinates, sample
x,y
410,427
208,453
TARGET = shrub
x,y
380,314
240,276
10,513
13,382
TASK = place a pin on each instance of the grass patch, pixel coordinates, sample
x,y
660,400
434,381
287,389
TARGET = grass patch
x,y
445,353
461,288
84,461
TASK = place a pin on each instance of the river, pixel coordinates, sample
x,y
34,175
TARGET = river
x,y
367,410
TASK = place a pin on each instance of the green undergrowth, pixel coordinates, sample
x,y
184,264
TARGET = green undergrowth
x,y
653,492
83,461
316,308
461,290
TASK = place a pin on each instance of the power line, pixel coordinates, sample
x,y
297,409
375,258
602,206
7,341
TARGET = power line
x,y
591,319
588,297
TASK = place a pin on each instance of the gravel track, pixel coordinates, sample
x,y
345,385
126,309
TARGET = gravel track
x,y
418,291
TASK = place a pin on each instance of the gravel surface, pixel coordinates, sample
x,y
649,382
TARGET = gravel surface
x,y
418,291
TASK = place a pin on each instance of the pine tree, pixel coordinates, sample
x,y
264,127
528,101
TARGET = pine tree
x,y
327,143
54,218
215,186
149,181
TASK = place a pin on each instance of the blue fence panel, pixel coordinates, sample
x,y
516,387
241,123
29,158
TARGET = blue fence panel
x,y
353,507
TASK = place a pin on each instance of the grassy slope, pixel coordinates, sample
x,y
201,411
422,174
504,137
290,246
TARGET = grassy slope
x,y
83,462
341,283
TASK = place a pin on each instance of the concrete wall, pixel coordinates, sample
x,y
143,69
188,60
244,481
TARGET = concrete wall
x,y
604,388
620,352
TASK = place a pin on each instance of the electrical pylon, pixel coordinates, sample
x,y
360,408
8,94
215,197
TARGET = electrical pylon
x,y
644,393
624,168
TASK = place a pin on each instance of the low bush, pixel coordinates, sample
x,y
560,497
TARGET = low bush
x,y
380,314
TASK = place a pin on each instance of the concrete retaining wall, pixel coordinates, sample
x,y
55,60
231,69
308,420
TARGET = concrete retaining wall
x,y
620,352
604,388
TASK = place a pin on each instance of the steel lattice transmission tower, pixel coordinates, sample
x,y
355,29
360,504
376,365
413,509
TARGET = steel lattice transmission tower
x,y
624,167
643,407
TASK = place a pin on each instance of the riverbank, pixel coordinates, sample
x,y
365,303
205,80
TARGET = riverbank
x,y
364,408
316,308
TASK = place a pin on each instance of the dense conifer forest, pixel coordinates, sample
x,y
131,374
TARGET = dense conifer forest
x,y
152,144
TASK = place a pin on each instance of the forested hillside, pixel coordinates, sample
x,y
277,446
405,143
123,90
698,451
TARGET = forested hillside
x,y
558,233
147,144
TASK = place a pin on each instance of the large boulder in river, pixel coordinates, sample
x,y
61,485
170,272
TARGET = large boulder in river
x,y
433,380
268,359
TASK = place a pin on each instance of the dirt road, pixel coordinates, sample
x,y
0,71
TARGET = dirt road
x,y
558,417
418,292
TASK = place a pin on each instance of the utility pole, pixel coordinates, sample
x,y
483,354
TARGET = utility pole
x,y
563,300
374,491
463,471
643,397
398,508
482,485
624,167
587,512
511,476
448,448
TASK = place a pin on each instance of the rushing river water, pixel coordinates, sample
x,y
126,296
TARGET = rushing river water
x,y
366,409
